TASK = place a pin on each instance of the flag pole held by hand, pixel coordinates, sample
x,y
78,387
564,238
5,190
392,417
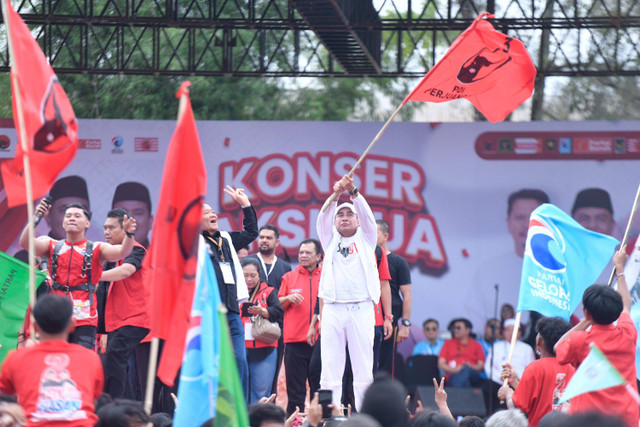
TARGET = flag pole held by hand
x,y
334,196
626,232
514,338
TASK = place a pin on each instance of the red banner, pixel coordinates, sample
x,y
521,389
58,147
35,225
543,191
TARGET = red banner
x,y
50,125
490,69
171,261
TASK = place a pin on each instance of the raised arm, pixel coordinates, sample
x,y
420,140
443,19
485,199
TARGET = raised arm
x,y
249,231
619,260
131,264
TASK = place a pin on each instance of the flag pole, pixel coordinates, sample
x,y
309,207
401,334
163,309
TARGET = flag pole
x,y
514,338
626,232
155,341
353,169
26,164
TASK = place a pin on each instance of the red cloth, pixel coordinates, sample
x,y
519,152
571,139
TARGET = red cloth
x,y
490,69
50,125
60,385
126,301
171,261
542,381
455,353
261,298
383,274
297,318
618,343
69,273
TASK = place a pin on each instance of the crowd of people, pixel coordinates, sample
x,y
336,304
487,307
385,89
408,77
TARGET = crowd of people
x,y
332,324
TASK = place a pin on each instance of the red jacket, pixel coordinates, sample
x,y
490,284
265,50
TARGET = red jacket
x,y
266,298
297,318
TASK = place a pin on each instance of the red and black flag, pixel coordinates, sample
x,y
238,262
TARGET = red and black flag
x,y
42,114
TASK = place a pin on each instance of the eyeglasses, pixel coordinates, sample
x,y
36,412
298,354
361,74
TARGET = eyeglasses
x,y
430,329
458,328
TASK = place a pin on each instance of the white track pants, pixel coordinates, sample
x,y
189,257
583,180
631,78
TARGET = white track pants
x,y
352,325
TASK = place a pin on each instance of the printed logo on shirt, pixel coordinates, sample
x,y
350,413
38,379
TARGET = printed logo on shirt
x,y
349,250
557,394
58,397
295,291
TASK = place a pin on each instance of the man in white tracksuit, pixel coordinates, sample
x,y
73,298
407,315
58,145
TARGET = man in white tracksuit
x,y
349,288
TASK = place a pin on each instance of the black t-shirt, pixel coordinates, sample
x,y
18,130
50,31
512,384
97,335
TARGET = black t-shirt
x,y
400,275
281,268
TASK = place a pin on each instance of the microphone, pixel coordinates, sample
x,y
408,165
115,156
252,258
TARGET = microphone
x,y
49,201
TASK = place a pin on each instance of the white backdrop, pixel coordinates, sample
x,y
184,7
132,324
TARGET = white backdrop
x,y
446,203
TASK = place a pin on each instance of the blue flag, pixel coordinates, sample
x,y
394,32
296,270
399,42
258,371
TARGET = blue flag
x,y
198,389
561,260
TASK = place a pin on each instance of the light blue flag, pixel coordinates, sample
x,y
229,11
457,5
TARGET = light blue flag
x,y
198,389
561,260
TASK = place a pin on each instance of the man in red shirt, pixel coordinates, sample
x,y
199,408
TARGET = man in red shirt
x,y
126,317
462,357
56,382
543,381
298,293
75,271
602,305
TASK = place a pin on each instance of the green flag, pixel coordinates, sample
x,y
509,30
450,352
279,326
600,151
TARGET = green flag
x,y
231,408
14,300
594,373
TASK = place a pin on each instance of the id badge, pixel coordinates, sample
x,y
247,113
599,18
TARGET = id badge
x,y
247,332
227,274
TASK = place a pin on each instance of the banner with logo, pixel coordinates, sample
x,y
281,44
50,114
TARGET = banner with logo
x,y
443,188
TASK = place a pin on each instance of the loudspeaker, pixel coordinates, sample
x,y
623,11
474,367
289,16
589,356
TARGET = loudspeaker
x,y
462,401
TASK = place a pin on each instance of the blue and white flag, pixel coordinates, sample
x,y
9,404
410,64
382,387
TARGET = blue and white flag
x,y
561,260
198,389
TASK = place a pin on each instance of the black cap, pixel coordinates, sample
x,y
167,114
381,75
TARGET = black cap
x,y
70,186
592,198
132,191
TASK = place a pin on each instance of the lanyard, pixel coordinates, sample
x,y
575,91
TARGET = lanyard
x,y
219,245
264,266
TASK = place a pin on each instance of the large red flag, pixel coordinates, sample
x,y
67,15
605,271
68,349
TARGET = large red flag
x,y
490,69
171,261
50,124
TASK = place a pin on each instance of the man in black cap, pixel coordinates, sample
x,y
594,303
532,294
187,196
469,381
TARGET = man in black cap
x,y
134,198
593,210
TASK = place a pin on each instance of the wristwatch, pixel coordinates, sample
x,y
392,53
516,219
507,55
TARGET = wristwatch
x,y
406,322
354,192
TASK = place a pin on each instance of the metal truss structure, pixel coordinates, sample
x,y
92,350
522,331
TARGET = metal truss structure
x,y
322,38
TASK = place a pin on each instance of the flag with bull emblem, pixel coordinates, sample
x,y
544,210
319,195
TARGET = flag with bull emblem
x,y
490,69
42,114
561,259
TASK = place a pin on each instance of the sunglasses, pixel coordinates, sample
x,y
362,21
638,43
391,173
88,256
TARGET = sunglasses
x,y
430,329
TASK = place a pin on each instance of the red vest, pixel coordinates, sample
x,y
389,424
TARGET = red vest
x,y
69,273
264,291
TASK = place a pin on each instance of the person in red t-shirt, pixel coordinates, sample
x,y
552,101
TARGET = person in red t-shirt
x,y
602,305
55,382
298,293
462,357
543,380
69,273
126,317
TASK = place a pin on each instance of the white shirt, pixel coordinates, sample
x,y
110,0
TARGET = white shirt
x,y
348,272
